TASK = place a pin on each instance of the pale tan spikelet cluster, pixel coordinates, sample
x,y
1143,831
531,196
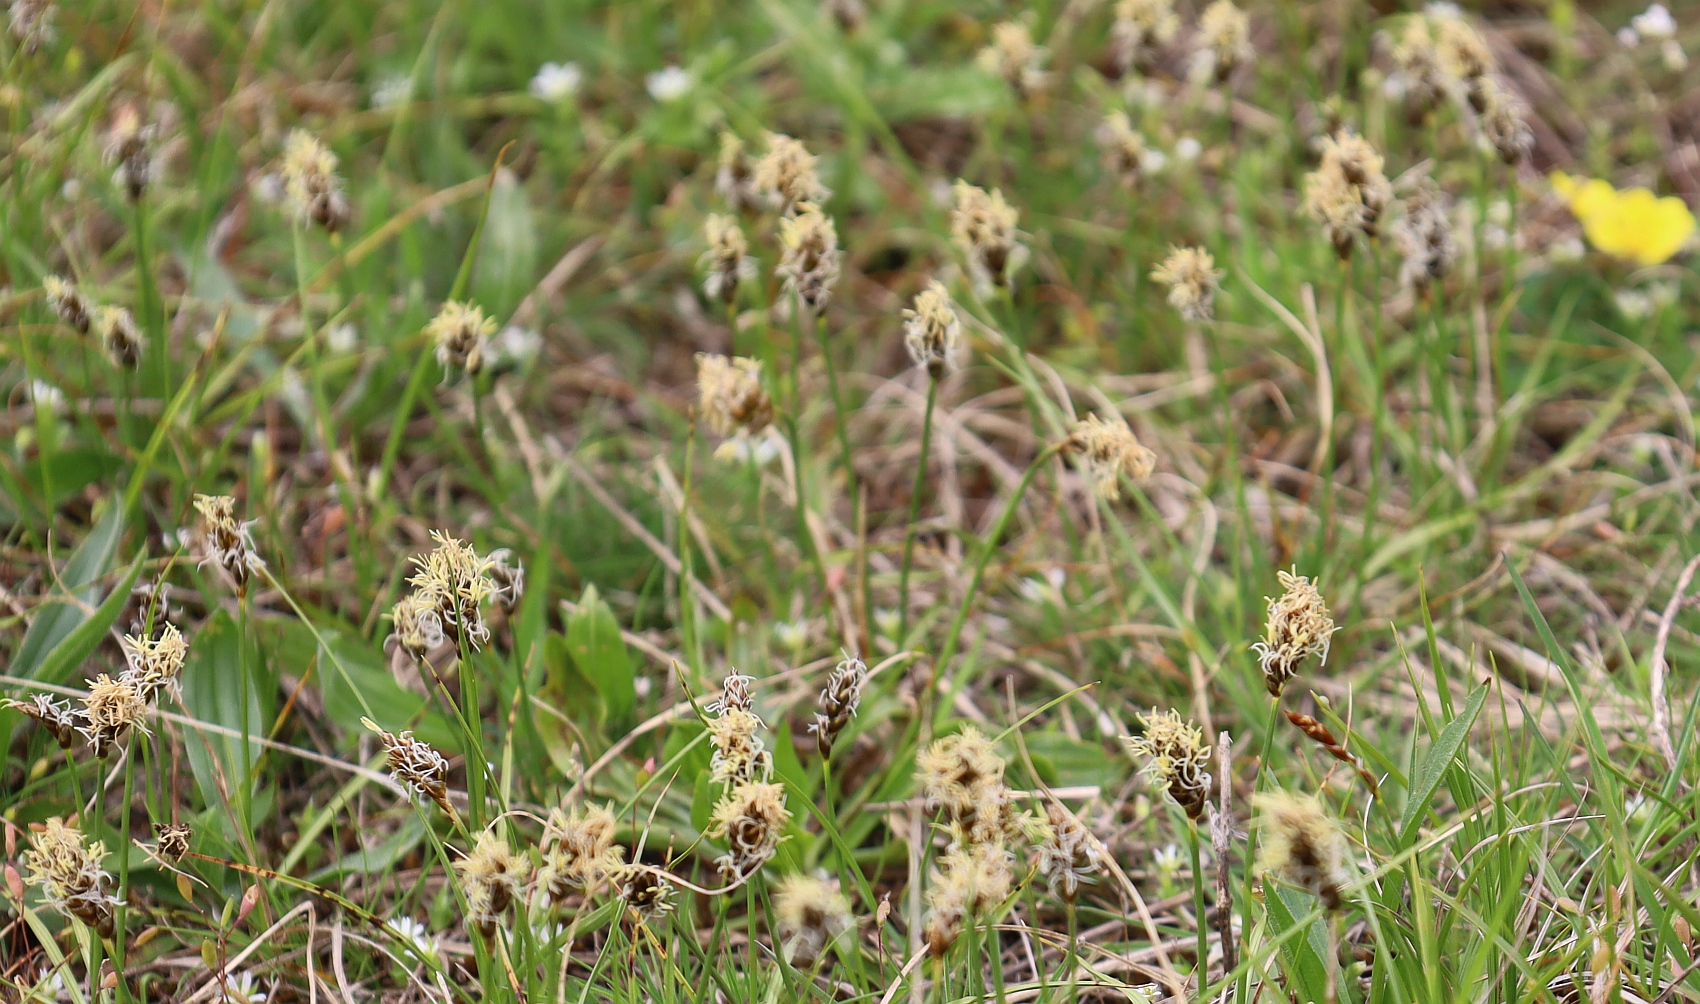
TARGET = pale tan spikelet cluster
x,y
507,579
1416,59
461,333
1504,119
645,891
734,176
171,840
1193,279
751,818
1013,56
1068,856
110,710
809,257
970,880
1111,452
735,694
1223,43
492,877
156,664
740,754
68,869
421,769
730,399
1176,758
55,716
130,149
786,177
1463,53
69,303
31,22
579,853
119,335
457,580
1348,192
1424,235
1140,32
962,774
812,912
1125,153
415,626
226,542
1298,627
932,329
982,225
311,188
838,702
727,261
1303,845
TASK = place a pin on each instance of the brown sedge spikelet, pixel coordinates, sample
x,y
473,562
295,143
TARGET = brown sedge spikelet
x,y
1193,279
970,880
69,303
111,709
1140,32
838,702
55,716
156,664
226,542
734,176
1348,192
492,877
1124,152
422,770
507,579
68,869
171,840
812,912
1417,61
751,818
727,261
416,627
1303,845
129,148
645,891
1320,734
932,329
731,400
119,337
1424,236
1176,758
1111,451
1504,120
982,225
1298,626
461,333
1464,55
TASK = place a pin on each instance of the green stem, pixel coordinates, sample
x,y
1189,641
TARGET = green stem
x,y
118,940
245,802
915,513
1202,971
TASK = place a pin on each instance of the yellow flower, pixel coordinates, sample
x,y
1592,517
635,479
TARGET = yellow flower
x,y
1632,223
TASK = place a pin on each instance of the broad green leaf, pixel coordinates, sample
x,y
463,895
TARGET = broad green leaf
x,y
593,640
1303,954
702,801
56,620
1428,775
213,693
379,857
788,765
70,471
1064,762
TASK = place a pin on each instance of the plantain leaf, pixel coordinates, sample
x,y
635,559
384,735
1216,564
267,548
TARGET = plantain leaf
x,y
593,641
1429,774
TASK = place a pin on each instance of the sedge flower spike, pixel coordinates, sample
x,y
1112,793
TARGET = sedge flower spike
x,y
457,581
812,913
1193,279
809,257
1633,223
1124,151
982,225
727,261
645,891
1298,626
226,542
55,716
421,769
932,329
311,188
155,664
1068,856
838,702
111,710
578,851
1349,192
969,881
751,818
1223,43
461,333
69,303
1111,451
1176,758
130,149
734,176
492,877
119,336
785,177
1424,236
1013,56
1302,844
1140,32
730,399
68,869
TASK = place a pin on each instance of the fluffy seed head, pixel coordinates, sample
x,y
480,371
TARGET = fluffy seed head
x,y
1176,758
1193,279
962,774
1348,193
119,336
785,176
982,225
751,818
457,580
734,176
172,839
838,702
1111,451
423,770
1141,30
462,335
55,716
68,870
69,303
812,912
492,877
727,261
129,148
416,627
1464,55
970,880
579,852
1068,855
111,709
1424,235
1417,60
1223,43
1124,151
1302,844
225,542
809,257
1504,119
311,189
1013,56
1298,626
932,329
730,398
155,664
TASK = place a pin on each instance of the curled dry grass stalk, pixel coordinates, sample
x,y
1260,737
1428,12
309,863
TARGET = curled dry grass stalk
x,y
784,500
